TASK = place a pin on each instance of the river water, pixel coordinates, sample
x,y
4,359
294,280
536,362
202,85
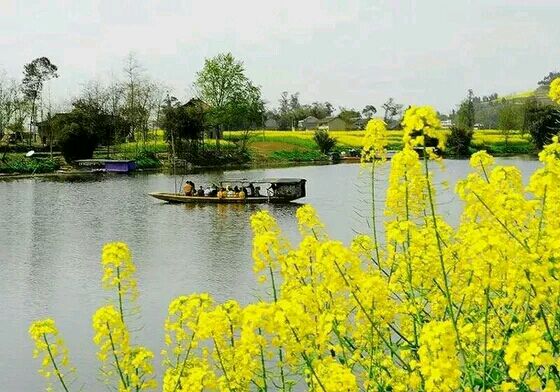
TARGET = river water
x,y
52,232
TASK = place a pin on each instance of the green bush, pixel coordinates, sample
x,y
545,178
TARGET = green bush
x,y
77,142
458,142
324,141
542,122
30,166
147,159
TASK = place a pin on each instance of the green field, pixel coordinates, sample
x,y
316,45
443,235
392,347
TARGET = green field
x,y
291,145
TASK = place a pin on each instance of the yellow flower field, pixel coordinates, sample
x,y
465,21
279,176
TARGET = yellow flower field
x,y
354,139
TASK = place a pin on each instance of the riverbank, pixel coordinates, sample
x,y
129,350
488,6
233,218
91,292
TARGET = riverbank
x,y
262,148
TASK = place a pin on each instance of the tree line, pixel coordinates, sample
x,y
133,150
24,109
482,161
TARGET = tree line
x,y
131,107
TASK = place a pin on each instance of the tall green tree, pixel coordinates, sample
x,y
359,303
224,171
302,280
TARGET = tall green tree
x,y
368,111
35,74
510,119
392,113
465,118
234,101
349,115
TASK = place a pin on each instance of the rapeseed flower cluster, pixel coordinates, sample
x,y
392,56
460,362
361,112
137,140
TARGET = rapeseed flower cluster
x,y
554,92
375,141
419,122
431,308
52,351
118,270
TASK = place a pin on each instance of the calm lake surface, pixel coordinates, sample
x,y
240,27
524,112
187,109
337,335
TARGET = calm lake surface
x,y
52,232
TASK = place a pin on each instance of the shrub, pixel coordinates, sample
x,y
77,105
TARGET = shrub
x,y
30,166
77,142
458,142
147,159
542,122
324,141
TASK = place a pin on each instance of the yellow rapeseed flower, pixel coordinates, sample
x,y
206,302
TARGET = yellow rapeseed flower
x,y
119,270
554,92
420,121
52,351
375,141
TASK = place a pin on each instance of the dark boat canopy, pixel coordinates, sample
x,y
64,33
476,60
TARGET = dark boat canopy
x,y
291,188
266,180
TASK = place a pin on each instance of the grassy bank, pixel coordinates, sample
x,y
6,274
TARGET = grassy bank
x,y
263,146
18,163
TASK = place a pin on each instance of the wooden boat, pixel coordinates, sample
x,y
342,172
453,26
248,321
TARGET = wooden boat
x,y
280,190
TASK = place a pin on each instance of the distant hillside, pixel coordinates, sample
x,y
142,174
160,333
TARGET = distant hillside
x,y
487,112
540,94
517,96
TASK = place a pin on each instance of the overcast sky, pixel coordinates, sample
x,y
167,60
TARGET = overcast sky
x,y
351,53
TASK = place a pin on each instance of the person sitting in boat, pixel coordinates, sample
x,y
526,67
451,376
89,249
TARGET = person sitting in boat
x,y
251,189
188,188
230,192
200,191
257,191
271,190
207,191
241,194
214,190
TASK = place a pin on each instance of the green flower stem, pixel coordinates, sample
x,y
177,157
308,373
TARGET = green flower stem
x,y
117,364
53,361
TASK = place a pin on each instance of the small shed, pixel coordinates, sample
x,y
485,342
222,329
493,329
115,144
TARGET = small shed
x,y
108,165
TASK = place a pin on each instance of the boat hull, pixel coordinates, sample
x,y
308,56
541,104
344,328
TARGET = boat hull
x,y
178,198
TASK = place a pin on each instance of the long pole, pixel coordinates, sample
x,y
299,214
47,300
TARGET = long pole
x,y
172,144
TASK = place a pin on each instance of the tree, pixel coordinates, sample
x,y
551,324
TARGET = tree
x,y
234,101
290,110
184,121
509,119
139,98
13,110
392,113
35,74
549,78
294,102
465,118
87,125
368,111
319,110
458,142
542,122
9,97
349,115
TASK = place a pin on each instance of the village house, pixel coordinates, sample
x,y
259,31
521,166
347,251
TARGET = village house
x,y
333,124
307,123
